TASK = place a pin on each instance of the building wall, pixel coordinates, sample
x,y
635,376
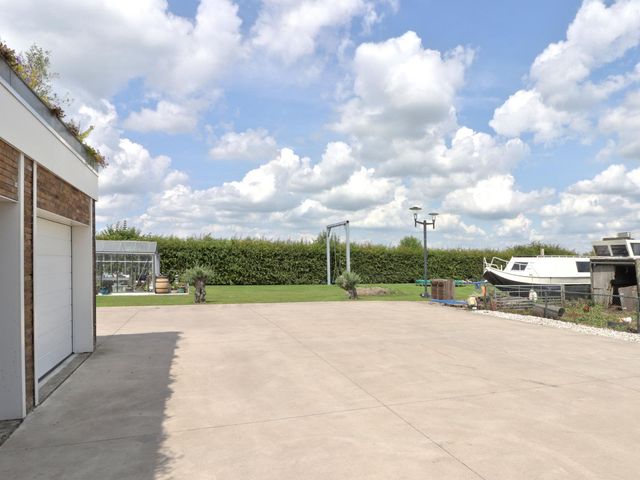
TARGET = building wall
x,y
36,163
59,197
8,171
28,284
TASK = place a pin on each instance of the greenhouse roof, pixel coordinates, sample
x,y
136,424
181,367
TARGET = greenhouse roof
x,y
125,246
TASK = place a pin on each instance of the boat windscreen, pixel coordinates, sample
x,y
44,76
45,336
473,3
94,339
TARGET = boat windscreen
x,y
602,250
519,266
619,250
583,267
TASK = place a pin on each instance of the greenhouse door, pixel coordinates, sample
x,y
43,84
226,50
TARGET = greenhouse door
x,y
53,319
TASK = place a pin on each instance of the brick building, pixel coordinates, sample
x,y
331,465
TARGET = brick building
x,y
48,188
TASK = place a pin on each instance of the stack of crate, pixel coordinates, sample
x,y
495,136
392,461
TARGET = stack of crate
x,y
443,289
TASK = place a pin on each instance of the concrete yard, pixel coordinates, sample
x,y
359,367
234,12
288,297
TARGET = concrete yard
x,y
357,390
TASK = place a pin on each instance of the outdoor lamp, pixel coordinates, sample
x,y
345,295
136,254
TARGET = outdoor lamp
x,y
424,224
415,211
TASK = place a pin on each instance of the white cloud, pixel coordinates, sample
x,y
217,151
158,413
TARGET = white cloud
x,y
525,111
599,34
401,116
291,29
400,120
132,173
361,190
98,47
518,226
113,207
167,117
335,167
601,206
132,169
494,197
250,145
401,89
452,226
470,156
578,219
624,121
562,95
276,187
615,180
575,205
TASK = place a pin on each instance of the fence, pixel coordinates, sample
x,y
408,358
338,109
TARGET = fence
x,y
617,311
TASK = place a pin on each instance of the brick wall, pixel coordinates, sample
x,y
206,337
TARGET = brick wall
x,y
57,196
28,282
8,171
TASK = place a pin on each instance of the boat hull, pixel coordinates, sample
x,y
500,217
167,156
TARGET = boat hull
x,y
511,283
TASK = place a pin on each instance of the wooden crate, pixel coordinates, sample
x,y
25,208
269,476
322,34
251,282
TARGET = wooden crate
x,y
443,289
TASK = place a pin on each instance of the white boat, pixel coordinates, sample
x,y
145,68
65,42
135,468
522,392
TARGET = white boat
x,y
573,272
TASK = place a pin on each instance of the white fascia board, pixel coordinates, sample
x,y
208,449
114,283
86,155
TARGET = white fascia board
x,y
54,217
26,131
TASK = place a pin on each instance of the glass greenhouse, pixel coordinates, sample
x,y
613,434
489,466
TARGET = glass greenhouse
x,y
126,266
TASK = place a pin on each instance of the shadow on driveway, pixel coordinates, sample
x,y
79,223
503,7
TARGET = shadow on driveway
x,y
105,421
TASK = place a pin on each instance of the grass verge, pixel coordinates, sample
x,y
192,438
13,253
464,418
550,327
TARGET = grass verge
x,y
219,294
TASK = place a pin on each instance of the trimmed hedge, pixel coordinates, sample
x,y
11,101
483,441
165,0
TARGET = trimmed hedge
x,y
262,262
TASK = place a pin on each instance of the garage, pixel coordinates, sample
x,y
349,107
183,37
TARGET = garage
x,y
48,189
53,328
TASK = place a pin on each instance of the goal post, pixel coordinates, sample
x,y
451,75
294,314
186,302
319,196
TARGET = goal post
x,y
344,224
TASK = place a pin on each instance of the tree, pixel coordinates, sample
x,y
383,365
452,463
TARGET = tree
x,y
198,276
120,231
410,243
349,281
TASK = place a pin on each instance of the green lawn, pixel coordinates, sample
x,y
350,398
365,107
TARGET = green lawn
x,y
270,294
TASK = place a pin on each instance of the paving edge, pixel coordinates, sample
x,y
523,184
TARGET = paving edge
x,y
584,329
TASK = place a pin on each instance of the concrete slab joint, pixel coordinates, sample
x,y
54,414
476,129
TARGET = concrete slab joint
x,y
333,390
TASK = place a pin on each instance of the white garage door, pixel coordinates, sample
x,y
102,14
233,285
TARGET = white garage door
x,y
53,320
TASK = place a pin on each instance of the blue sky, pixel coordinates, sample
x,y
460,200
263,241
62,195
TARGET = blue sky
x,y
272,118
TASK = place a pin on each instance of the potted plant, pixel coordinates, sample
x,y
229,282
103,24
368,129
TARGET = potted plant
x,y
198,276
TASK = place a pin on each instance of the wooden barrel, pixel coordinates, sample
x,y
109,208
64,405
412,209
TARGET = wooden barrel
x,y
162,285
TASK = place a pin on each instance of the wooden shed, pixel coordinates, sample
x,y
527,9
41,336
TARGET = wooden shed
x,y
615,271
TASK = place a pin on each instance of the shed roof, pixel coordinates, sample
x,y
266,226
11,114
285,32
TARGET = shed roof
x,y
125,246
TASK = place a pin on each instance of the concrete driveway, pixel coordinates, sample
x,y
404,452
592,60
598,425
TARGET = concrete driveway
x,y
335,391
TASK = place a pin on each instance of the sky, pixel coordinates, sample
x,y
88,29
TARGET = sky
x,y
516,121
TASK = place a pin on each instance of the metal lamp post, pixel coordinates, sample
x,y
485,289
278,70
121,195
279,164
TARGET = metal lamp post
x,y
424,224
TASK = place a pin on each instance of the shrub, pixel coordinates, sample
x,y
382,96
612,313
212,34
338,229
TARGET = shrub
x,y
262,262
349,281
199,276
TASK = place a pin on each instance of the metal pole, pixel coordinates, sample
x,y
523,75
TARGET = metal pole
x,y
424,227
637,314
546,302
346,227
329,227
328,256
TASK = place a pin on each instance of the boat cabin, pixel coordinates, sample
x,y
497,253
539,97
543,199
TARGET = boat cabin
x,y
615,269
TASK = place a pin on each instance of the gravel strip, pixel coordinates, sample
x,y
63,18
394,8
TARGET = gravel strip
x,y
602,332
